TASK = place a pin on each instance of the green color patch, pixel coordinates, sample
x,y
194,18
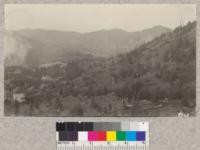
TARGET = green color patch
x,y
121,136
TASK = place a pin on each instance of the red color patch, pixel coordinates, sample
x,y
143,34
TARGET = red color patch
x,y
101,136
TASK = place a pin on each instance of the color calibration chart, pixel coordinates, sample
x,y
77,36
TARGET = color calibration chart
x,y
102,135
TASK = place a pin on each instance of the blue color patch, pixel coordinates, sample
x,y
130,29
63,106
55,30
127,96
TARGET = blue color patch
x,y
130,136
140,136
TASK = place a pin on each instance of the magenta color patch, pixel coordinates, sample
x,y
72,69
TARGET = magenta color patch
x,y
92,136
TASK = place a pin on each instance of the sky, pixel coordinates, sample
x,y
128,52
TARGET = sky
x,y
92,17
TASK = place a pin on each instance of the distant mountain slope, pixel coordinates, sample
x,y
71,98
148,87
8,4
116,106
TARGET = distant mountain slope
x,y
16,49
42,46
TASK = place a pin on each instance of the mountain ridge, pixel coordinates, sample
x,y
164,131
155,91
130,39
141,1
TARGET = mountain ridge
x,y
88,32
103,43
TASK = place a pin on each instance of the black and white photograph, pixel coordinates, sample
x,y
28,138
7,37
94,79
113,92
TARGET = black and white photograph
x,y
100,60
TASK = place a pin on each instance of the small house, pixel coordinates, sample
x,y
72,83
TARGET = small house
x,y
19,97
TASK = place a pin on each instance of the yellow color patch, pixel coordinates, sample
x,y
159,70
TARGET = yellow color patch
x,y
111,135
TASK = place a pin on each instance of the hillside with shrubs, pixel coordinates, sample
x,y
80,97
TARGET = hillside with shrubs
x,y
157,78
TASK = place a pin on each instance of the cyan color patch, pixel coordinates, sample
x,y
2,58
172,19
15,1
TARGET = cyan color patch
x,y
130,136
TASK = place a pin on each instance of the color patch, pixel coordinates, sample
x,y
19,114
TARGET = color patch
x,y
72,136
101,136
70,126
63,136
125,126
60,126
121,136
88,126
140,136
98,126
111,135
82,136
92,136
130,136
79,126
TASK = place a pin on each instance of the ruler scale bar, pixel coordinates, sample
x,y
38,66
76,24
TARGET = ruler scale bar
x,y
101,148
102,135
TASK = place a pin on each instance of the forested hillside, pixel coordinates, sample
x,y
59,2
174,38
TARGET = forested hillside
x,y
162,68
158,78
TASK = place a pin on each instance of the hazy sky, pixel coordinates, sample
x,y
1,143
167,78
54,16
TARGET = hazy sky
x,y
90,17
